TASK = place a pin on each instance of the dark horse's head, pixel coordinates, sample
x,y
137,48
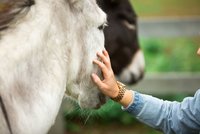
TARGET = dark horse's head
x,y
121,40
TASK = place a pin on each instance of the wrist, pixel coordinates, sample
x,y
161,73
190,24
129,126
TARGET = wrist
x,y
123,95
115,92
128,98
120,91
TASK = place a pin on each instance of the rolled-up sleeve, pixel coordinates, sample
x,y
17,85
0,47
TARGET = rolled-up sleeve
x,y
169,117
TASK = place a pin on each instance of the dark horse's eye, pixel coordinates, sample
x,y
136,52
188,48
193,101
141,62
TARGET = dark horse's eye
x,y
101,27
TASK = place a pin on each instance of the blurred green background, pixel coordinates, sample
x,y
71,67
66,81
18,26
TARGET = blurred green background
x,y
171,54
162,54
175,54
156,8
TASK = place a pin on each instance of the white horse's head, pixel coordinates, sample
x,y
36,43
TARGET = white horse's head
x,y
85,38
46,49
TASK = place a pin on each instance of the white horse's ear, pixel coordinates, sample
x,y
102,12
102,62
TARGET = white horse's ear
x,y
73,1
9,9
76,4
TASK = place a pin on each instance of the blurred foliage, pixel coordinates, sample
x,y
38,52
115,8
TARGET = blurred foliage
x,y
171,54
79,120
149,8
107,114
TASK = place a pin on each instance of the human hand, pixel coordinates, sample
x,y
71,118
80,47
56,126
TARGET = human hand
x,y
108,85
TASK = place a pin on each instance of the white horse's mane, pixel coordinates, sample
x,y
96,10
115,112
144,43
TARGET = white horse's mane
x,y
46,47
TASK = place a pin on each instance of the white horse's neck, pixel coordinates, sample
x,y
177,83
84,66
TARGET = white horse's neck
x,y
33,73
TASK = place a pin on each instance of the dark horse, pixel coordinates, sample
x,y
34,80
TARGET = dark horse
x,y
121,40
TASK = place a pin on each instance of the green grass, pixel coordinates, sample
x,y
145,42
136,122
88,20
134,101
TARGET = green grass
x,y
166,7
171,54
110,119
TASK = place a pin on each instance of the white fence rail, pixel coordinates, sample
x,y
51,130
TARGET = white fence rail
x,y
168,83
169,27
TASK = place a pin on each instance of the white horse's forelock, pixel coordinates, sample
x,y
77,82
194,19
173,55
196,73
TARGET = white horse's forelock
x,y
43,53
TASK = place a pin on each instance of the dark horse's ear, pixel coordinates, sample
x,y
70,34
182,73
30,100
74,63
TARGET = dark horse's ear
x,y
112,2
9,9
108,3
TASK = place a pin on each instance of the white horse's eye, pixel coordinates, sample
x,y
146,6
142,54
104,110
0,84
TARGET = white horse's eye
x,y
101,27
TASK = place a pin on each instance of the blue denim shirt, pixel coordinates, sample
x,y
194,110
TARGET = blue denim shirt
x,y
169,117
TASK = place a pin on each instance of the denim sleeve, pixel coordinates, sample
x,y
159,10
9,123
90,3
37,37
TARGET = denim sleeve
x,y
169,117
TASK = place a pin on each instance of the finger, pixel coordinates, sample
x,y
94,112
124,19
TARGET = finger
x,y
102,67
104,59
106,53
108,57
198,52
97,80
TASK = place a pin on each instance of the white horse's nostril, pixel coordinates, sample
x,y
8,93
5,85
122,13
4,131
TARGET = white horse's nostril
x,y
102,98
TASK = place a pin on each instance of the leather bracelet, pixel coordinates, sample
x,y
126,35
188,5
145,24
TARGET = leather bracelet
x,y
121,93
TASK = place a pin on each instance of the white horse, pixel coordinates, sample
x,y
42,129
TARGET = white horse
x,y
46,47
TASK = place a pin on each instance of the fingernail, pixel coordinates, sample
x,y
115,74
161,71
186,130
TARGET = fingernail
x,y
93,75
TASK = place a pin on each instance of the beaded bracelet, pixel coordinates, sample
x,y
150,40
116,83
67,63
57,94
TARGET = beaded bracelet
x,y
121,93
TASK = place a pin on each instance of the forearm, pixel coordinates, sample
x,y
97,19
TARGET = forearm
x,y
122,95
151,111
170,117
127,98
